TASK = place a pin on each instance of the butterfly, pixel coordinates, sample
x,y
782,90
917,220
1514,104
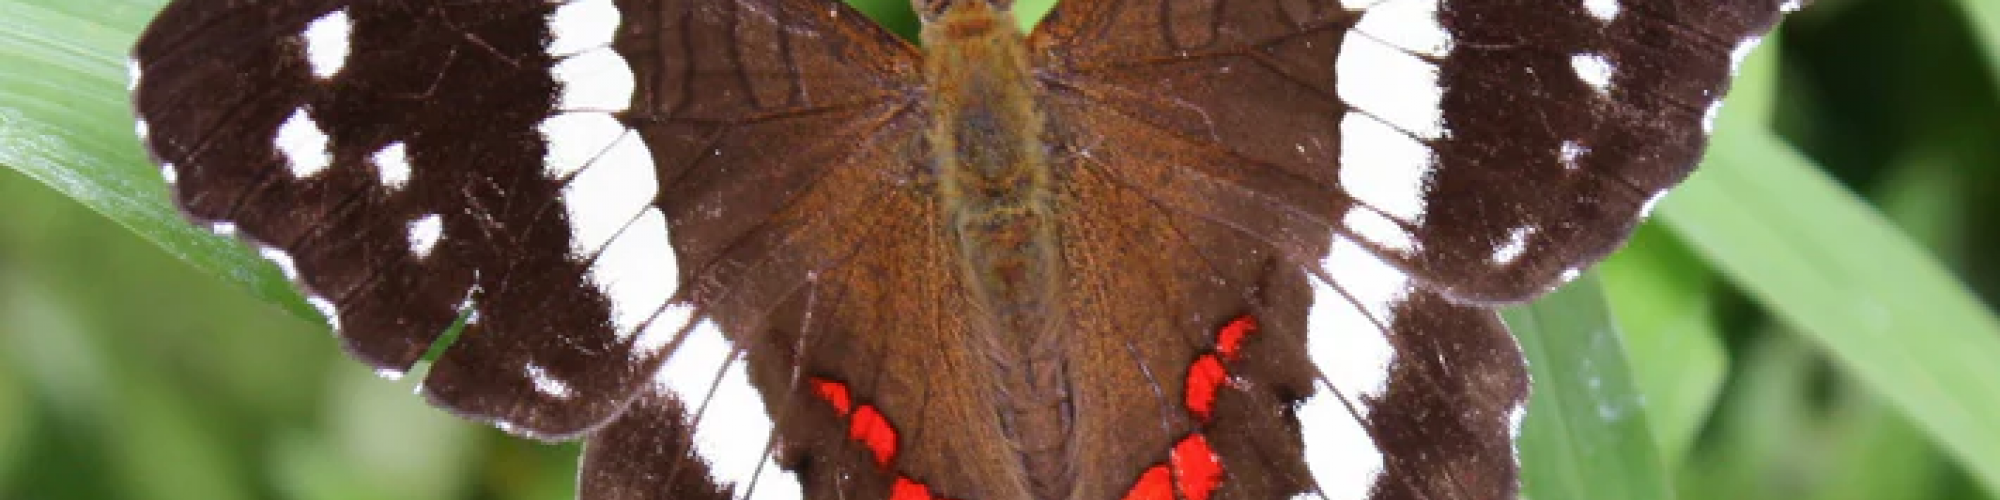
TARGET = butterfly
x,y
1154,249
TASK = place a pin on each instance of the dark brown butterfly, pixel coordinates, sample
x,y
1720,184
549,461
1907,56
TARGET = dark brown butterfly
x,y
1158,249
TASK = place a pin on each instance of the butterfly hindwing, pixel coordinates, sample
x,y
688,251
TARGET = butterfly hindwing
x,y
790,157
1480,151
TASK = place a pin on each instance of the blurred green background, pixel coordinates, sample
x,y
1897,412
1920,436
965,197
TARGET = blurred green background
x,y
125,372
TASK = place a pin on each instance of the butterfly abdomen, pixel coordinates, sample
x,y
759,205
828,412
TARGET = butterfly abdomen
x,y
996,189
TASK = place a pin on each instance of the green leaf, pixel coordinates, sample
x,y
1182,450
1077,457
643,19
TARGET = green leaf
x,y
1761,435
1984,15
1586,434
65,121
1823,261
1660,293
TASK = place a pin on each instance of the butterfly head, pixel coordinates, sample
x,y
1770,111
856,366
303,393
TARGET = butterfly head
x,y
933,10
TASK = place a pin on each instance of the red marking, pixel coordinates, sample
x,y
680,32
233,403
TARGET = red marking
x,y
1197,471
1154,484
1204,378
874,432
835,393
905,489
1200,471
867,426
1229,341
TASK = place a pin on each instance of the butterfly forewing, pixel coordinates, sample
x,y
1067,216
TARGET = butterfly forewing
x,y
1273,226
407,161
1562,125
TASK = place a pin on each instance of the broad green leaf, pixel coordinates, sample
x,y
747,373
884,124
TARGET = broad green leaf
x,y
1878,454
1660,293
1586,434
65,121
1821,260
1760,430
1984,16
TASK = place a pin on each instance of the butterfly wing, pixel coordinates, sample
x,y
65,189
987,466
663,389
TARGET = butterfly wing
x,y
408,162
1489,148
1410,160
785,131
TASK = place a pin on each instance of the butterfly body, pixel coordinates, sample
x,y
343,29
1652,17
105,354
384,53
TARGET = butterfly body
x,y
998,198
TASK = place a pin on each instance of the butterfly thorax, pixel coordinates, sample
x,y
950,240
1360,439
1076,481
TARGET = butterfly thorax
x,y
994,180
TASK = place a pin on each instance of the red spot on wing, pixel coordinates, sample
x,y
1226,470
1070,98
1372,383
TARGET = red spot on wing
x,y
1204,378
867,426
1154,484
1199,470
905,489
835,393
1229,341
874,432
1196,471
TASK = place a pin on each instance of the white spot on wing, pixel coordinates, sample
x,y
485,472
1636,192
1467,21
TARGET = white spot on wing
x,y
547,384
132,74
224,228
582,25
1411,25
575,138
328,41
392,163
304,145
1350,347
142,130
608,193
283,260
1515,416
326,309
1652,202
1742,52
661,329
1391,85
167,172
1348,343
1709,115
424,234
596,80
1570,152
1377,229
729,420
637,273
1516,244
1384,168
1603,10
1593,69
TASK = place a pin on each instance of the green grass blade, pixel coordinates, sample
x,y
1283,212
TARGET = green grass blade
x,y
1984,16
1586,434
1821,260
1660,293
65,121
